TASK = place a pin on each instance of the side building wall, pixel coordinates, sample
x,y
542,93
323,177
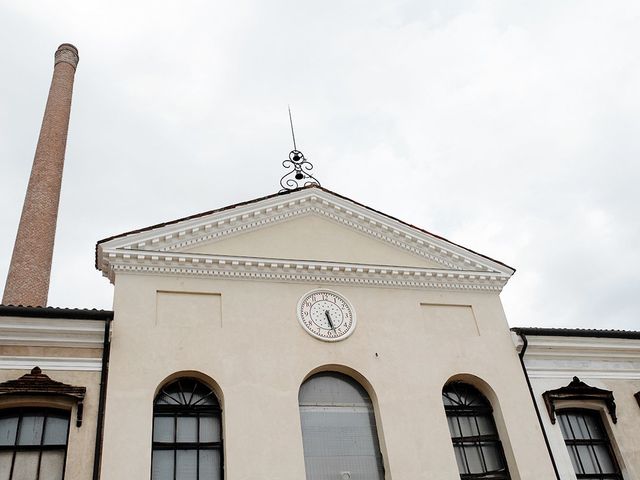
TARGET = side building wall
x,y
604,362
67,347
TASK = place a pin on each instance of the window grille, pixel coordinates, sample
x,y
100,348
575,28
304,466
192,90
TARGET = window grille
x,y
588,445
476,443
187,433
33,443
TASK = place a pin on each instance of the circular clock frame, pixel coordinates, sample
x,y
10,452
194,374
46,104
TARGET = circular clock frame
x,y
311,325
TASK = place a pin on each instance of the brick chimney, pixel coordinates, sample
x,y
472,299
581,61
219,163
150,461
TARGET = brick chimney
x,y
30,269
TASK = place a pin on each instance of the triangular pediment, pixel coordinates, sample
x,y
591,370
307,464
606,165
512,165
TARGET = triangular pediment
x,y
310,229
313,237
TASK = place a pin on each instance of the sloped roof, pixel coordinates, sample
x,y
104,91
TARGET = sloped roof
x,y
257,200
55,312
577,332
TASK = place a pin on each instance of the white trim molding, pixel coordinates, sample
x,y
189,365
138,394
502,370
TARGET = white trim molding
x,y
51,332
253,268
589,357
158,250
90,364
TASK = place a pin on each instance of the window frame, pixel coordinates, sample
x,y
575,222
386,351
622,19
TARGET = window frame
x,y
365,404
606,441
15,448
475,411
197,411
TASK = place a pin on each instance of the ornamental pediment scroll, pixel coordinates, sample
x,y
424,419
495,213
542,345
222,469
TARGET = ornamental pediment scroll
x,y
577,390
38,384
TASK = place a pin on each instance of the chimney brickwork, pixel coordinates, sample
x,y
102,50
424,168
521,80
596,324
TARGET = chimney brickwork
x,y
30,268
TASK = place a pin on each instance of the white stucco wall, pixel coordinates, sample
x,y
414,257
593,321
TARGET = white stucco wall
x,y
244,336
606,363
81,440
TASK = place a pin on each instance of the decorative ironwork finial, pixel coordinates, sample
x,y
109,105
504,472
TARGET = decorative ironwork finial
x,y
299,168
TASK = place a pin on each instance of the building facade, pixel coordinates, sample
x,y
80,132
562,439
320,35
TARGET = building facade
x,y
52,364
299,335
593,377
215,297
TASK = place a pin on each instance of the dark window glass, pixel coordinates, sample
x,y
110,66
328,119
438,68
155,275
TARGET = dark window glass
x,y
187,433
339,432
33,443
476,444
588,444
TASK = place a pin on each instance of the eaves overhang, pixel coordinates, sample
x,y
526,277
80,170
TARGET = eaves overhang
x,y
160,249
589,353
55,312
577,332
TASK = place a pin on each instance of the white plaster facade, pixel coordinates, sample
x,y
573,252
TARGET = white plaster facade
x,y
215,296
606,360
68,350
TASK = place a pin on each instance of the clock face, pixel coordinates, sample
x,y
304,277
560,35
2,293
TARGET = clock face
x,y
326,315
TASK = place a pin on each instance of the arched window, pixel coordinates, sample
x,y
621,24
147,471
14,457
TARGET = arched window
x,y
588,444
339,432
474,435
187,432
33,443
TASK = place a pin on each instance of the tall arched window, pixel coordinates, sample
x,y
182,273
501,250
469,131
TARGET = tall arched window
x,y
474,435
187,432
339,432
33,443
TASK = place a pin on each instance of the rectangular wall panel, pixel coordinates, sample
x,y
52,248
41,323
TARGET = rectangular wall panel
x,y
449,319
187,309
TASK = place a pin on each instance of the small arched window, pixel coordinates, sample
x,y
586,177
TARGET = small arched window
x,y
339,432
478,450
33,443
187,432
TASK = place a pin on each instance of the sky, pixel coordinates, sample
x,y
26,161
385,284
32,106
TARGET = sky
x,y
512,128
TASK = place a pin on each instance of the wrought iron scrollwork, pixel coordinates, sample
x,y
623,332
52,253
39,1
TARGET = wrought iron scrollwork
x,y
299,174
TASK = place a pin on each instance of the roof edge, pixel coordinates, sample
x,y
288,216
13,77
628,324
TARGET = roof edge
x,y
267,197
55,312
577,332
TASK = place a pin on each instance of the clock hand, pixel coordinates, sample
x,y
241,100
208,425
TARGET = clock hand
x,y
326,313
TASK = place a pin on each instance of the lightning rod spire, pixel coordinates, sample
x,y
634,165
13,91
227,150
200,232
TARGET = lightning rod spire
x,y
299,168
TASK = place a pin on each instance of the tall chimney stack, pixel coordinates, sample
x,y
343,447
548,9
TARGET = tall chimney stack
x,y
30,269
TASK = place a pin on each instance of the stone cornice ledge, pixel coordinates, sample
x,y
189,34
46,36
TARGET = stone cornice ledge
x,y
552,347
116,261
591,357
90,364
51,332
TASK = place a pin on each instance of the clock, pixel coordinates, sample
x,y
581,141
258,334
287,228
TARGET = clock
x,y
326,315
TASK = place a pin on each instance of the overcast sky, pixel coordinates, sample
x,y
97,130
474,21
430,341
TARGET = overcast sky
x,y
512,128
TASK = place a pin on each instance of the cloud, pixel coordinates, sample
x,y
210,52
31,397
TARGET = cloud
x,y
510,129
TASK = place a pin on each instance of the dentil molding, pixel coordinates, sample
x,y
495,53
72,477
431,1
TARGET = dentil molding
x,y
158,250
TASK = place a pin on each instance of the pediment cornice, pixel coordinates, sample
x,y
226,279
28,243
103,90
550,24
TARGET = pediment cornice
x,y
222,266
549,356
161,249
